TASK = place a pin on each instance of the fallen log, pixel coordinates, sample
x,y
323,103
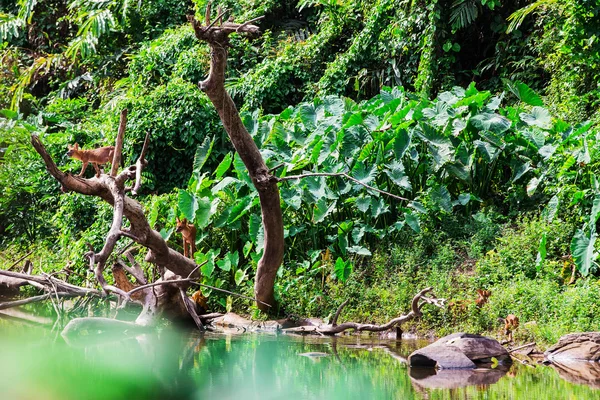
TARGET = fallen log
x,y
331,329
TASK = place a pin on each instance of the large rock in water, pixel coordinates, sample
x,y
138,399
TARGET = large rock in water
x,y
459,351
576,346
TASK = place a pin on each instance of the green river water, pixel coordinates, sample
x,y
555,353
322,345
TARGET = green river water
x,y
39,364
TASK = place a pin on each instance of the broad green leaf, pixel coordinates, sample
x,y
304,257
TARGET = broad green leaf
x,y
418,207
187,204
240,276
595,214
362,251
539,117
166,234
364,175
582,249
395,171
523,93
521,169
223,184
532,186
224,264
242,206
363,203
458,125
441,197
527,95
412,220
491,122
401,143
202,153
342,269
234,258
489,151
322,210
223,166
206,209
9,114
551,209
547,151
463,199
583,154
357,234
535,137
308,115
247,249
378,207
292,196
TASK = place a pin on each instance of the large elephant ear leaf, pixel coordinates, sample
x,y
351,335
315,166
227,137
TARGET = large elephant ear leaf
x,y
202,153
343,269
539,116
188,204
524,93
491,122
582,249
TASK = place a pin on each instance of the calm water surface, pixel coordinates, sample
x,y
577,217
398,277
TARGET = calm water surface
x,y
39,364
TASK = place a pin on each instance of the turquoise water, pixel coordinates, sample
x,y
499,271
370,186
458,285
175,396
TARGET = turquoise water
x,y
38,363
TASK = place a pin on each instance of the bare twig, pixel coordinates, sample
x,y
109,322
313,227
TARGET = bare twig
x,y
190,280
43,281
341,174
140,164
116,161
239,28
522,347
35,299
19,260
337,313
275,168
219,17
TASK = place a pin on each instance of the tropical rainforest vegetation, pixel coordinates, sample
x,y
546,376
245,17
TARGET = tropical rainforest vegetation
x,y
457,141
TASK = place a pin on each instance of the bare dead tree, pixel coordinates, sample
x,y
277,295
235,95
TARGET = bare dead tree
x,y
112,190
216,34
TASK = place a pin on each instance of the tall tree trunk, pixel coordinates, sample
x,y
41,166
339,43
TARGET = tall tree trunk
x,y
266,184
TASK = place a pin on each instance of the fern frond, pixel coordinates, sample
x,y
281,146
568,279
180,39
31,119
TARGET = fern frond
x,y
463,13
26,10
10,26
517,18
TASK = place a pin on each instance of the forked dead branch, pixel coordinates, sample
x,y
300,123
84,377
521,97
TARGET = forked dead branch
x,y
417,303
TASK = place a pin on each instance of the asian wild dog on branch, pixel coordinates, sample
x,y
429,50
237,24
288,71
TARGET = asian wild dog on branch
x,y
188,232
98,156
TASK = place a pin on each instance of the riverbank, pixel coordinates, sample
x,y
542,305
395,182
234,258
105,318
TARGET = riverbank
x,y
456,258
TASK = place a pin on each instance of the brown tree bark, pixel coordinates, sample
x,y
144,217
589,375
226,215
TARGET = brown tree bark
x,y
217,38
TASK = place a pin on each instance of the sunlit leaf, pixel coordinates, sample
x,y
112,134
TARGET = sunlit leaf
x,y
582,249
188,205
342,269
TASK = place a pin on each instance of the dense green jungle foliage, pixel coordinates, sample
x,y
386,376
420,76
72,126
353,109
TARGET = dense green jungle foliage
x,y
480,114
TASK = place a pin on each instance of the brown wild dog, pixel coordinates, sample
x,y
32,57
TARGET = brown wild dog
x,y
188,232
98,156
461,306
482,297
511,323
123,283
